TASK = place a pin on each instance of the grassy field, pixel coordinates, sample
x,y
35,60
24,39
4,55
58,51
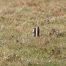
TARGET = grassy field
x,y
17,45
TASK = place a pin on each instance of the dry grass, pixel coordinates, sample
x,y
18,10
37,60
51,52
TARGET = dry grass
x,y
18,47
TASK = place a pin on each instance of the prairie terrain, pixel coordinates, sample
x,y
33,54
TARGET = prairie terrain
x,y
17,45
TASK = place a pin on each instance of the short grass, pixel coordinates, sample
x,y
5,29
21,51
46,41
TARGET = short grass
x,y
17,45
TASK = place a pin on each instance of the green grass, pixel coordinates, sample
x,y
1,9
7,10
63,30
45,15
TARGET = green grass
x,y
44,65
17,45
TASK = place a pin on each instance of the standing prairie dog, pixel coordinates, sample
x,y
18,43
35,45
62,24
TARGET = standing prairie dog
x,y
36,32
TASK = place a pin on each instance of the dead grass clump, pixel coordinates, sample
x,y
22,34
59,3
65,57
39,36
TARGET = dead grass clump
x,y
56,33
13,58
34,3
58,11
47,41
53,32
56,52
61,34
